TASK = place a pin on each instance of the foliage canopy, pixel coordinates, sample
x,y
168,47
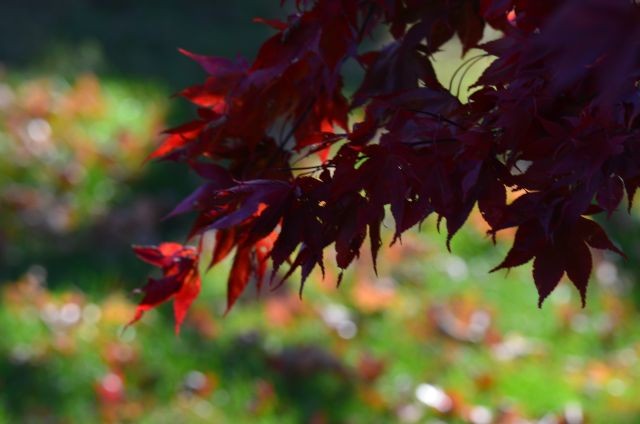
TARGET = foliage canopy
x,y
554,119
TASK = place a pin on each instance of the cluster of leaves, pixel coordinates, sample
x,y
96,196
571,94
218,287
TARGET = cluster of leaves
x,y
554,118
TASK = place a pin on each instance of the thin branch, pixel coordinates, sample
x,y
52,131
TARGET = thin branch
x,y
291,132
464,74
297,124
462,65
438,117
432,141
365,23
302,168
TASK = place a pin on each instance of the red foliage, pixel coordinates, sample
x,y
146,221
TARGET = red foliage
x,y
180,280
554,116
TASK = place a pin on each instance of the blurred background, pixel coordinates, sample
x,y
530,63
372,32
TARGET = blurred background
x,y
85,89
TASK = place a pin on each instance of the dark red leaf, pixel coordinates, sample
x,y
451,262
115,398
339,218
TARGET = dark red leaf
x,y
239,276
225,241
216,66
184,298
492,202
470,26
547,271
594,236
527,243
255,196
610,194
177,138
578,265
160,256
273,23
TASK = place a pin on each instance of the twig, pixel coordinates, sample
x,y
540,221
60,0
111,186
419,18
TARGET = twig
x,y
433,141
291,132
302,168
464,74
464,64
438,117
365,23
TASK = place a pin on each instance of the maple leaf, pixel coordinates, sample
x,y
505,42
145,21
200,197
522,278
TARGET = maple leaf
x,y
180,281
567,252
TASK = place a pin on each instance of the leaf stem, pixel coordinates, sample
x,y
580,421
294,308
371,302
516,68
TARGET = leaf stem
x,y
462,66
438,117
432,141
365,23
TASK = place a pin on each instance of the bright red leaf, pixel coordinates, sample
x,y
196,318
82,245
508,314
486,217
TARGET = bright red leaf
x,y
180,280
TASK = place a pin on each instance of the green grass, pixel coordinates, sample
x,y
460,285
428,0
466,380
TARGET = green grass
x,y
253,375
